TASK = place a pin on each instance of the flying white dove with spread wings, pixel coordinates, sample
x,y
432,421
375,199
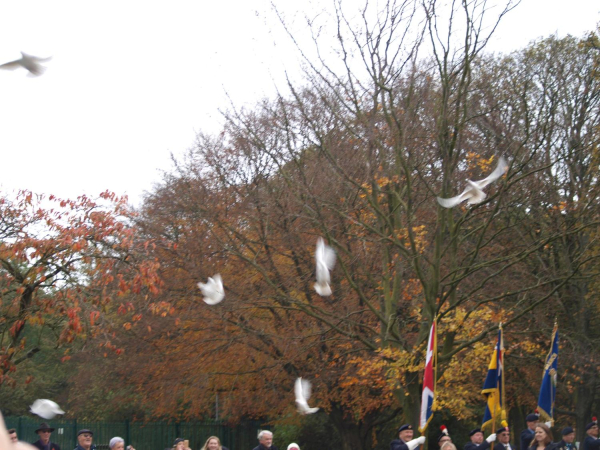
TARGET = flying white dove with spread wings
x,y
46,409
325,259
29,62
302,394
474,191
213,290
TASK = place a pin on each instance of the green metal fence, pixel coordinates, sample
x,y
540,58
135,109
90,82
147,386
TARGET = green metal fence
x,y
142,436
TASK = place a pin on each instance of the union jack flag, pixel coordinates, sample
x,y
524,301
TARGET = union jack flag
x,y
428,381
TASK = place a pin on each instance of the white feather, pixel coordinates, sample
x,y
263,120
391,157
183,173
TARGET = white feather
x,y
29,62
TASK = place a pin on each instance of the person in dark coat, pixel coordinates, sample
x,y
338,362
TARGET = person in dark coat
x,y
265,441
84,440
543,438
591,441
405,439
477,441
503,435
528,433
44,431
568,440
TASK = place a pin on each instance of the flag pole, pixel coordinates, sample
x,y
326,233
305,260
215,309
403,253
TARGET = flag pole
x,y
502,410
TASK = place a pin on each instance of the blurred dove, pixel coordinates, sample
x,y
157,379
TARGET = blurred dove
x,y
29,62
325,258
474,192
213,290
302,394
46,409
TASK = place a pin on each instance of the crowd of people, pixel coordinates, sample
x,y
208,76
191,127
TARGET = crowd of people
x,y
536,436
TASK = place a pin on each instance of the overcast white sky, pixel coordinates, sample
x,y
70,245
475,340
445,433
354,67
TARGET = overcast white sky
x,y
132,81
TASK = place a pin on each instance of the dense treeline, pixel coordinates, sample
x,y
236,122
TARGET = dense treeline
x,y
357,155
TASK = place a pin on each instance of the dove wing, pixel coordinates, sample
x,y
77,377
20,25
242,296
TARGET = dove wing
x,y
306,389
452,202
298,390
11,65
497,173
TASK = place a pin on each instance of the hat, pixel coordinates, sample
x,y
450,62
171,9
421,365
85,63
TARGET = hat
x,y
293,445
84,431
405,427
502,430
593,423
177,441
567,430
476,430
45,427
532,418
444,433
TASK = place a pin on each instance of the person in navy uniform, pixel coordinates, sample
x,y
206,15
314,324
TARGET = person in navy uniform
x,y
477,441
503,435
568,440
528,433
591,441
405,439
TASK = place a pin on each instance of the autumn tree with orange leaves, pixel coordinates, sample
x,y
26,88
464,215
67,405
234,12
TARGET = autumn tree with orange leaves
x,y
358,156
64,265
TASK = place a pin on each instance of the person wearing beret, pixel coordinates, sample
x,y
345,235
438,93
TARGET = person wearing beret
x,y
503,435
591,441
405,439
528,433
44,432
568,440
477,441
84,440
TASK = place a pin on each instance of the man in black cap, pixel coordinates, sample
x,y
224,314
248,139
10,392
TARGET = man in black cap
x,y
477,442
84,440
44,432
503,435
568,440
591,441
405,439
528,433
444,437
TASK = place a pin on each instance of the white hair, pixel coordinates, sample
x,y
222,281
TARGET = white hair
x,y
263,433
293,445
114,441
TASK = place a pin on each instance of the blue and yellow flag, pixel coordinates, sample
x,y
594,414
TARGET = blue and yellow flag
x,y
494,386
548,389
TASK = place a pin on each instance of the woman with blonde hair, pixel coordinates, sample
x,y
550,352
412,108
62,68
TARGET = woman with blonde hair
x,y
213,443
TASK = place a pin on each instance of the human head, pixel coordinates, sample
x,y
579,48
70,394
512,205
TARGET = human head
x,y
592,428
444,437
44,431
568,435
265,437
448,446
12,434
84,438
543,434
293,446
212,443
476,436
179,444
406,432
503,435
117,443
531,420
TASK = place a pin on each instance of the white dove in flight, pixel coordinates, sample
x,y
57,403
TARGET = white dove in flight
x,y
302,394
473,193
29,62
213,290
325,259
46,409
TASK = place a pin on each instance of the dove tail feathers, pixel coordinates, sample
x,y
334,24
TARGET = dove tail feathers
x,y
323,289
